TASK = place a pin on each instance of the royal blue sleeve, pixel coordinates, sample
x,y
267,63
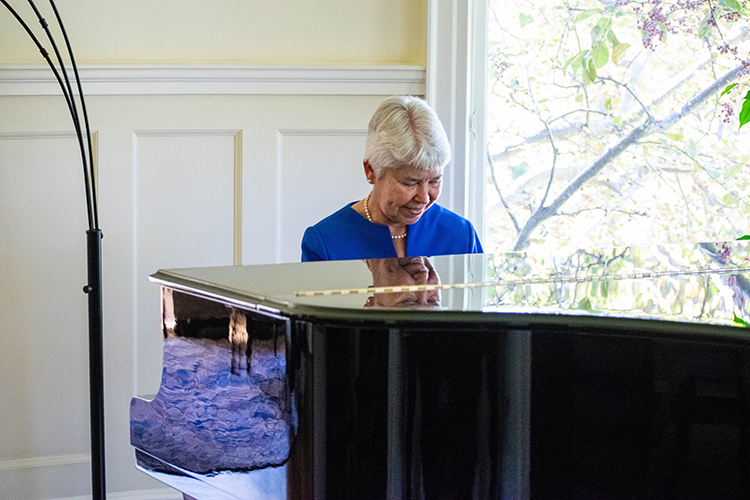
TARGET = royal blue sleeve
x,y
312,246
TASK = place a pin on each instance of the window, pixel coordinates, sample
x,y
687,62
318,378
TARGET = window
x,y
605,124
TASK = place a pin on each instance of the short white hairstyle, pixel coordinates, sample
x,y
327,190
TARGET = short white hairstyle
x,y
404,130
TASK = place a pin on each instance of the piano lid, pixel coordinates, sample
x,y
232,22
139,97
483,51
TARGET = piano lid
x,y
694,283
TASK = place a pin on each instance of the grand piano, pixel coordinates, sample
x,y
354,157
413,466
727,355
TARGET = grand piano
x,y
617,373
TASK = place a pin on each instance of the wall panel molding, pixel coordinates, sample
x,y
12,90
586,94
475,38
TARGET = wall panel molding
x,y
234,191
316,132
180,80
282,170
157,494
22,136
237,138
31,463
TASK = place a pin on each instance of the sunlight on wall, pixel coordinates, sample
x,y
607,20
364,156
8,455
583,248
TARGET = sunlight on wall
x,y
284,32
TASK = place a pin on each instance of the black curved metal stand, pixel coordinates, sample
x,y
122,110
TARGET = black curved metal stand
x,y
96,362
94,237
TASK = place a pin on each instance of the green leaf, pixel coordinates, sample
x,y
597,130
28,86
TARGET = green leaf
x,y
690,149
618,51
712,170
575,61
585,304
604,23
586,14
744,237
612,38
676,136
664,32
589,73
600,31
731,199
733,170
728,90
733,4
517,171
525,19
740,321
704,29
600,54
745,113
608,104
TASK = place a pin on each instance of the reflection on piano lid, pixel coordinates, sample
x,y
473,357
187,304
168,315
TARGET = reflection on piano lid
x,y
601,373
704,282
559,280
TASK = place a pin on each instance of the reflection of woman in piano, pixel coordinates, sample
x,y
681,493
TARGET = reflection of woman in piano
x,y
405,154
409,271
442,454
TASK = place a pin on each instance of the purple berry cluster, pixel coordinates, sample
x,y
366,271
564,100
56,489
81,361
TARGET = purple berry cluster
x,y
658,18
651,27
726,49
723,252
725,112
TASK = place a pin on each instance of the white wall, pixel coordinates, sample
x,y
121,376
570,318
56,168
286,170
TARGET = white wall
x,y
186,178
298,32
246,142
198,165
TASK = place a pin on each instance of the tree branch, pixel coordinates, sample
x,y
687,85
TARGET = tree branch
x,y
627,87
566,131
549,136
500,194
605,210
644,130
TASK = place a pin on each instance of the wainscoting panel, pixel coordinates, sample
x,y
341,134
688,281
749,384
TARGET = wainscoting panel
x,y
184,206
318,172
43,326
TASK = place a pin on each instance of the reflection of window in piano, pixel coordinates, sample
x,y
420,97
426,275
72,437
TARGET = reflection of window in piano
x,y
223,401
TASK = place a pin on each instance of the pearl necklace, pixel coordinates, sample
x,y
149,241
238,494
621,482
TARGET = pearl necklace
x,y
367,214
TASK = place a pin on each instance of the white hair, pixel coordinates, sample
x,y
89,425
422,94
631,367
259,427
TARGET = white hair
x,y
404,130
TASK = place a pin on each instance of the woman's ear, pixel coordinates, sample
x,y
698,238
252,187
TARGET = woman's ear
x,y
369,172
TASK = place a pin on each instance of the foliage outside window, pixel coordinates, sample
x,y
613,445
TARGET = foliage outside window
x,y
613,123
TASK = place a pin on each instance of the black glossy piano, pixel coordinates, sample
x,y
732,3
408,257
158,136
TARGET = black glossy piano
x,y
617,373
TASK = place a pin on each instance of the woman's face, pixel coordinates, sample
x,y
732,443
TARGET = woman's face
x,y
402,195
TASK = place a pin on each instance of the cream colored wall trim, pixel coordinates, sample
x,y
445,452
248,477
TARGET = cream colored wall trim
x,y
158,494
10,136
30,463
163,80
238,198
18,136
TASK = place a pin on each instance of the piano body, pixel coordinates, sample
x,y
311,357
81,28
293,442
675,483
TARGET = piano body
x,y
604,374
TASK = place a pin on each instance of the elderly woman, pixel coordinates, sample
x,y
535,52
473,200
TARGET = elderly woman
x,y
405,154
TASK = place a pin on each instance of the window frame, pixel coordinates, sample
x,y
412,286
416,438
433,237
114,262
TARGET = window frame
x,y
456,76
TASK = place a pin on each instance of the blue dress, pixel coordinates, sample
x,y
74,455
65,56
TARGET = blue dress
x,y
346,235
